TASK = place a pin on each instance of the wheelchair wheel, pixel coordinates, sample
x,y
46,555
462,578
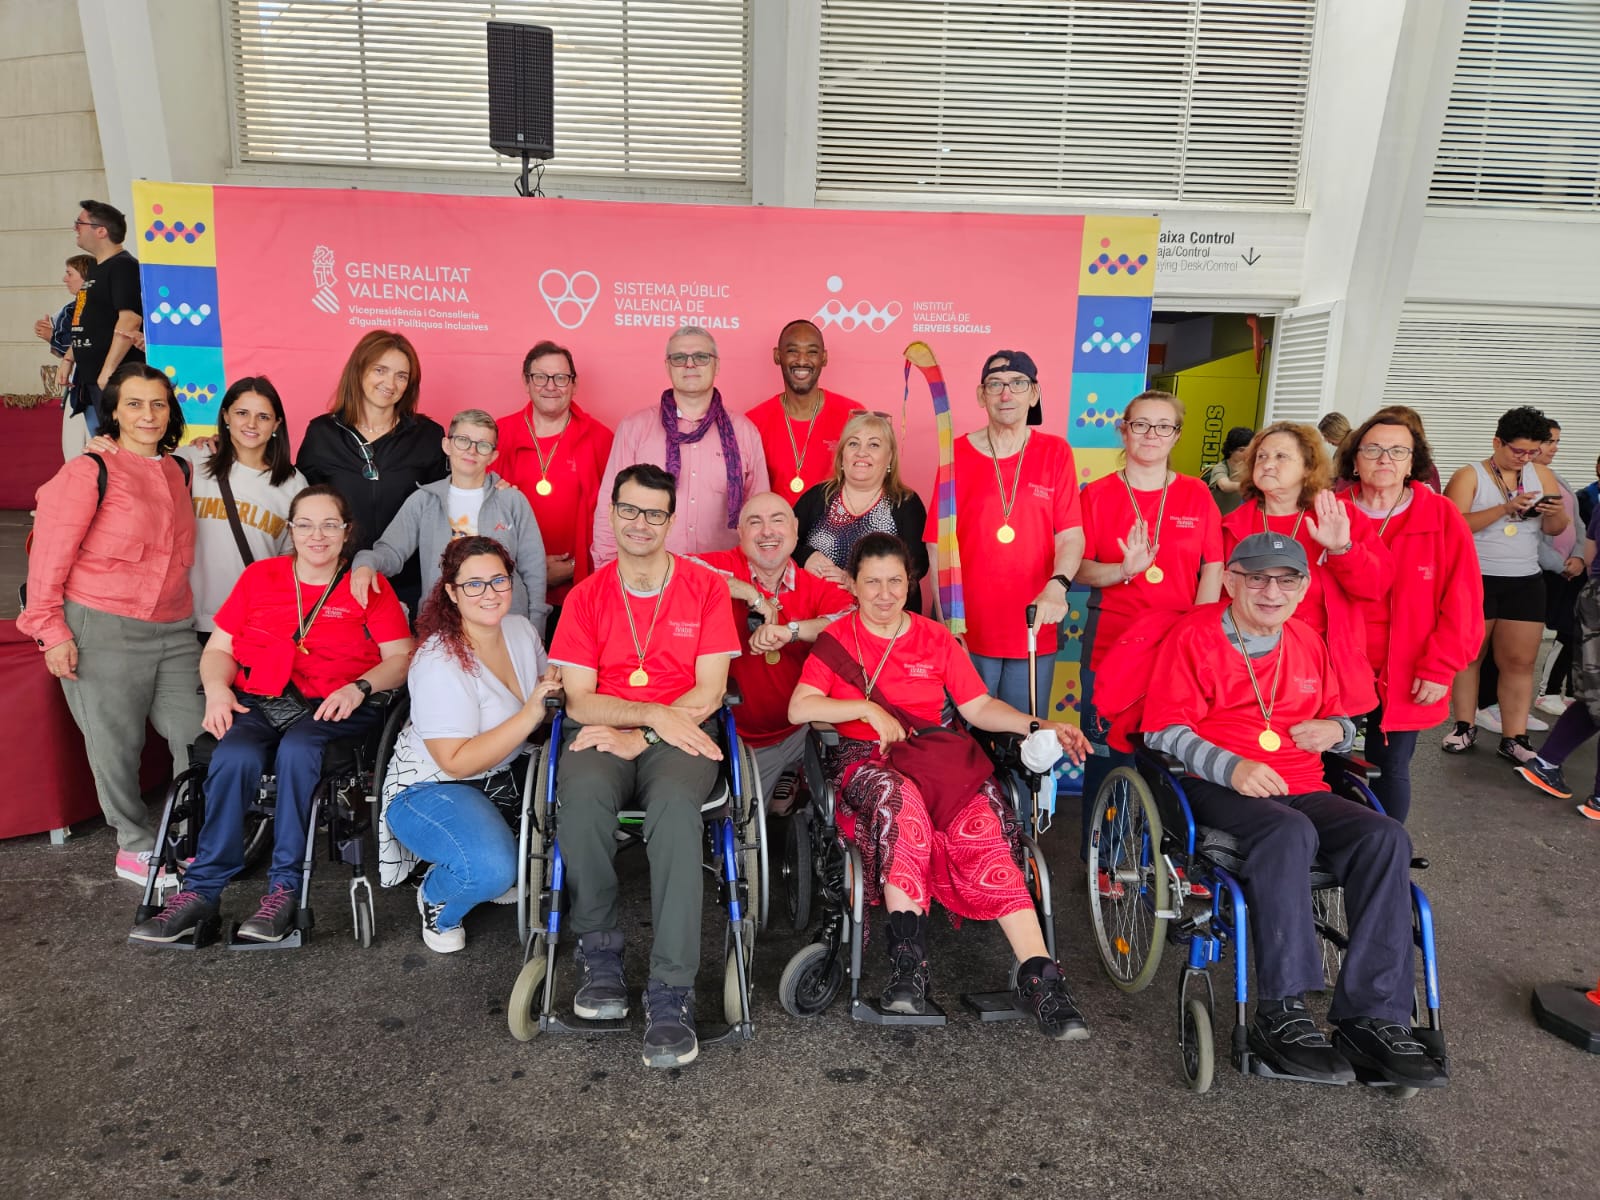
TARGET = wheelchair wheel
x,y
257,839
734,999
363,917
807,987
1128,885
1199,1046
1333,931
527,994
796,868
751,832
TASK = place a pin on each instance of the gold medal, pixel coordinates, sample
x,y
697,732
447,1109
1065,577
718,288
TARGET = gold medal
x,y
543,487
639,678
1269,740
772,657
1155,574
797,485
1510,531
1006,534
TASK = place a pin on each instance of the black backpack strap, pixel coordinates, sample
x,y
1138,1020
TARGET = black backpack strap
x,y
100,479
229,506
187,471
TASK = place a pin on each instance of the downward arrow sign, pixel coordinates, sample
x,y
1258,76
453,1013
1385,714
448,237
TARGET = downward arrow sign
x,y
1252,258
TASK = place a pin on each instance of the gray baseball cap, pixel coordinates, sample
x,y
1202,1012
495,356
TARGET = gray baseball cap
x,y
1262,550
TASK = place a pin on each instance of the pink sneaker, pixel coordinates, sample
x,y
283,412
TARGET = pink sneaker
x,y
134,865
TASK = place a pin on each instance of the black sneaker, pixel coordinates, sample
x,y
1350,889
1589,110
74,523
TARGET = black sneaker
x,y
1284,1034
181,916
1460,739
1042,992
1389,1049
907,989
1546,777
274,919
602,993
669,1037
1517,749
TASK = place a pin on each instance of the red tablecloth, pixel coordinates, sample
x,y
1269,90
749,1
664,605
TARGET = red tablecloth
x,y
30,443
49,784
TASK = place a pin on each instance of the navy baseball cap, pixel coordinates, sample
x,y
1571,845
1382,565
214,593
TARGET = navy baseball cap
x,y
1015,360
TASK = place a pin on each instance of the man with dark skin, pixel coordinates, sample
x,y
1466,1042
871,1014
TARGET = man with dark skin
x,y
800,426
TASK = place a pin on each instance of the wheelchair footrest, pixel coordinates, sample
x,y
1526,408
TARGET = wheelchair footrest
x,y
292,940
1260,1066
719,1035
870,1014
201,936
992,1006
567,1023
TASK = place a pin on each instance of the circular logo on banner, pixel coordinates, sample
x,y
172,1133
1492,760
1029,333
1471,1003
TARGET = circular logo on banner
x,y
569,297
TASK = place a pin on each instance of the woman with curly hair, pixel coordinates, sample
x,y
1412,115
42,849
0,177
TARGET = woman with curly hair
x,y
478,683
1287,492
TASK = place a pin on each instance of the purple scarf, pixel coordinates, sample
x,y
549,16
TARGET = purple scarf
x,y
730,447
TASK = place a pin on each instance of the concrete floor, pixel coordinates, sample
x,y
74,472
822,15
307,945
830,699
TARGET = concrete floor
x,y
333,1071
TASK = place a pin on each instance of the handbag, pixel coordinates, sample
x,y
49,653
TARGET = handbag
x,y
280,711
947,764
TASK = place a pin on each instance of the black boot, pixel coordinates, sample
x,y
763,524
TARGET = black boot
x,y
907,989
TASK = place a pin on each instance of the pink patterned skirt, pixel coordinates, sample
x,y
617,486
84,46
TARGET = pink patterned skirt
x,y
972,868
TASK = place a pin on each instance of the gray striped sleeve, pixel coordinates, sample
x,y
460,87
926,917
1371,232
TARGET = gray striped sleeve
x,y
1199,757
1348,742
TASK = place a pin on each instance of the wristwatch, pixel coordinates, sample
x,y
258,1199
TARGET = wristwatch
x,y
651,737
794,631
1066,584
364,688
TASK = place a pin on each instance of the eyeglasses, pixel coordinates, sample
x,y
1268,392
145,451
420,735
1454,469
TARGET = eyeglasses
x,y
86,224
462,442
1374,451
540,379
1525,455
699,358
1259,582
632,512
993,387
475,587
307,528
1139,427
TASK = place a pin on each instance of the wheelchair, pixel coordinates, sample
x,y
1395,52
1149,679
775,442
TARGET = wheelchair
x,y
822,867
345,802
1155,877
736,843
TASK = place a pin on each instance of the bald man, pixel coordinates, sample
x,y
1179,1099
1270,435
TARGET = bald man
x,y
780,609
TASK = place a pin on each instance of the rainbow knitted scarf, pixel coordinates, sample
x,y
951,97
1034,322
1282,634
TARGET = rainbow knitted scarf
x,y
951,603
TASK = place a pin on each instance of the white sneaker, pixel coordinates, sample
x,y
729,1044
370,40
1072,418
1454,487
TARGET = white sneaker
x,y
1535,725
440,941
1489,718
1553,704
509,896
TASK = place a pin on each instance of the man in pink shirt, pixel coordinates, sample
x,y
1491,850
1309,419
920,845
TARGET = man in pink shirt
x,y
714,455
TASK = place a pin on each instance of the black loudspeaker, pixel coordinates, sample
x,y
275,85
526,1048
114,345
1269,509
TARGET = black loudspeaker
x,y
522,107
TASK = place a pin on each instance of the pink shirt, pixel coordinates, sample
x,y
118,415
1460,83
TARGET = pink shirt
x,y
128,555
701,523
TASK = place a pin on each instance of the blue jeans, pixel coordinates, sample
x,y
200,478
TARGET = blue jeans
x,y
237,765
1391,754
1102,758
461,832
1007,679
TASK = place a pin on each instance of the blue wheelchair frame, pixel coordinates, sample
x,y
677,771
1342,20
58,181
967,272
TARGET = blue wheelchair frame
x,y
735,819
1168,863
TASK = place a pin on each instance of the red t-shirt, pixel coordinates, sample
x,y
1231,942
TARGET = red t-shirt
x,y
341,645
1190,537
573,460
816,454
999,580
695,619
927,661
1203,683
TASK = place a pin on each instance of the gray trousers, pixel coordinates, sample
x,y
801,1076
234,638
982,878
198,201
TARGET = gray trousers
x,y
772,761
130,671
670,786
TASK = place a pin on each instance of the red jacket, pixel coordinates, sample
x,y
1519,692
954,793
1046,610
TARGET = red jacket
x,y
1435,608
128,555
1364,572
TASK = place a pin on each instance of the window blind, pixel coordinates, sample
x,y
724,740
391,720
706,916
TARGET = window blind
x,y
643,88
1169,100
1303,342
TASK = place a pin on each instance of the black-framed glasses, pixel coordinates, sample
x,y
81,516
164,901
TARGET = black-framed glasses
x,y
307,528
462,442
1258,581
540,379
476,587
632,512
993,387
682,359
1162,429
1374,451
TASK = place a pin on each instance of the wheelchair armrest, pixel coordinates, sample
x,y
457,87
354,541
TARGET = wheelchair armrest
x,y
1349,763
555,700
825,733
